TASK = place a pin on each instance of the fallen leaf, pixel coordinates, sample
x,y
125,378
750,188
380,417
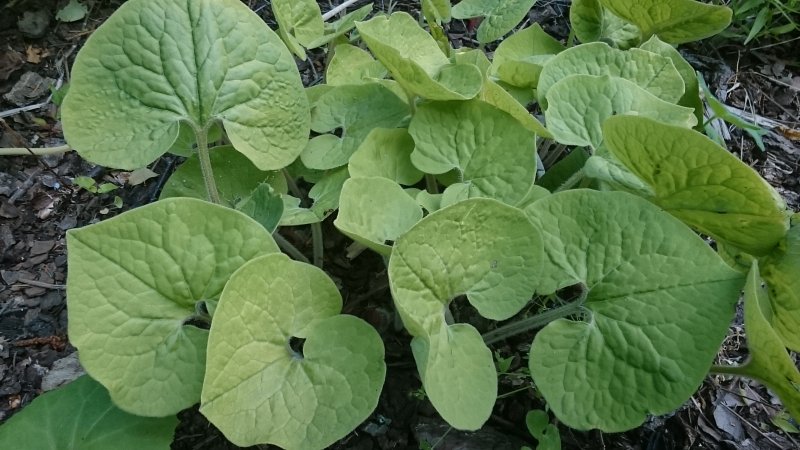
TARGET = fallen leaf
x,y
139,176
72,12
34,55
790,133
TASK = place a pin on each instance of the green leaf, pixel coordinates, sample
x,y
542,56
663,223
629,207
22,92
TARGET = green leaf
x,y
440,8
495,154
580,104
539,426
235,175
185,144
258,389
610,171
374,210
324,194
415,60
769,362
352,65
264,205
500,16
646,342
700,182
133,287
652,72
155,64
781,269
355,110
80,416
342,26
491,253
72,12
674,21
386,153
518,60
562,170
299,23
591,22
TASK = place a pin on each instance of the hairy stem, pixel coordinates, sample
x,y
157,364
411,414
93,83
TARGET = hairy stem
x,y
533,322
740,371
293,187
571,181
317,244
22,151
205,164
430,183
289,249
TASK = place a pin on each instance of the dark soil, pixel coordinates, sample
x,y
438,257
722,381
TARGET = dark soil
x,y
39,203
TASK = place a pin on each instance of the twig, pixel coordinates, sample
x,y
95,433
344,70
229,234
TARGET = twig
x,y
25,186
41,284
288,248
14,111
337,10
21,151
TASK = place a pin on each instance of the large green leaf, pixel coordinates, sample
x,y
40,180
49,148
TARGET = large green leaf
x,y
354,110
782,272
518,60
259,389
500,16
156,63
299,23
235,175
674,21
691,98
386,153
655,73
700,182
80,416
768,362
352,65
591,22
579,104
133,291
494,153
658,301
481,248
415,60
374,210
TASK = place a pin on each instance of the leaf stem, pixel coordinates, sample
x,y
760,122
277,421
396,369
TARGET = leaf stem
x,y
571,182
205,163
430,184
293,187
289,249
317,243
22,151
533,322
740,371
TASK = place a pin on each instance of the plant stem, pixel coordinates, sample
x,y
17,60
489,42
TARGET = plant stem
x,y
740,371
205,164
293,187
317,244
21,151
337,10
571,181
288,248
533,322
430,183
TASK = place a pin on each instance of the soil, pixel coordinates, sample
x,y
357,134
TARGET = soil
x,y
39,202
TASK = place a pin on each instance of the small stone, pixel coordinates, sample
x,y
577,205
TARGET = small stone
x,y
68,222
30,87
51,300
41,247
64,371
60,260
35,291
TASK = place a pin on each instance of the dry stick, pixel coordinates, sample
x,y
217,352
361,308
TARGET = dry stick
x,y
337,10
41,284
15,151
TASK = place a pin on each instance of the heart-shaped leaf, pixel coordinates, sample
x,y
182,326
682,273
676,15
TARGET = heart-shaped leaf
x,y
259,388
354,110
386,153
700,182
674,21
591,22
81,416
500,16
519,59
691,98
491,253
157,63
652,72
373,210
781,269
299,23
495,154
325,195
415,60
352,65
658,299
133,290
580,104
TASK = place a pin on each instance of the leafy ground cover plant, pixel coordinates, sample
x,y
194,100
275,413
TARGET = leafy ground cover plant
x,y
194,303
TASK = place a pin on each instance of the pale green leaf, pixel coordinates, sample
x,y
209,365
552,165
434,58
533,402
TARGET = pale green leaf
x,y
133,288
341,26
352,65
674,21
491,253
494,154
700,182
580,104
591,22
236,177
354,111
518,60
72,11
608,170
386,153
300,20
156,63
439,8
500,16
80,416
657,307
415,60
258,389
782,272
769,362
265,205
655,73
539,426
691,97
374,210
430,202
325,197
